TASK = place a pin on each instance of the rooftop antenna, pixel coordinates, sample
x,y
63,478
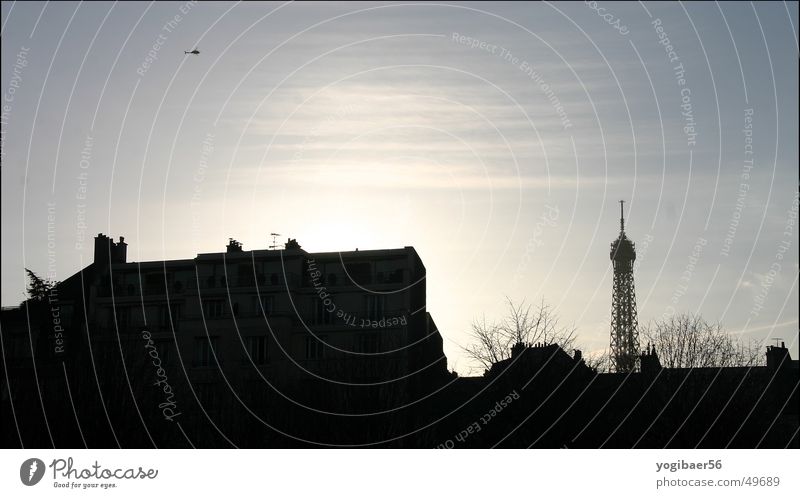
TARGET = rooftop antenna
x,y
275,244
776,339
621,217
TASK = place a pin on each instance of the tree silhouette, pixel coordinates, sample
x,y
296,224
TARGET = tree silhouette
x,y
38,288
523,324
688,341
599,361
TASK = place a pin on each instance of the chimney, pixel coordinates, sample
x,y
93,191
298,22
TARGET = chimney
x,y
234,245
107,252
517,349
102,248
778,357
649,362
120,254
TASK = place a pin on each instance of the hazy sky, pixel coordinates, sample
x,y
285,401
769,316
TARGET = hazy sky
x,y
495,138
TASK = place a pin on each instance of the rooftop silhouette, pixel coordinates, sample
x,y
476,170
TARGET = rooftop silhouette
x,y
287,348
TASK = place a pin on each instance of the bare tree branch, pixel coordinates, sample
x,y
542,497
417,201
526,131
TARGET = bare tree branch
x,y
688,341
598,361
522,324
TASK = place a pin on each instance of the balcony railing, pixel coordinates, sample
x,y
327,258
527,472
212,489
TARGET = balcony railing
x,y
336,279
260,281
205,283
133,290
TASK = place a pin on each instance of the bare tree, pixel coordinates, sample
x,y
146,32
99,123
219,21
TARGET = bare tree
x,y
688,341
600,361
523,324
490,344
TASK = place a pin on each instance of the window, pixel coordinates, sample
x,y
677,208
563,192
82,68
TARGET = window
x,y
154,282
265,306
66,314
359,273
123,317
20,346
258,349
390,277
204,349
167,314
164,349
315,347
175,309
322,313
214,308
246,276
375,306
390,271
136,316
368,343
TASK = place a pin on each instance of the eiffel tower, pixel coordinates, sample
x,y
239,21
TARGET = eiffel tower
x,y
624,323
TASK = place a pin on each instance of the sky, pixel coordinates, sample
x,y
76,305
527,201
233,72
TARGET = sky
x,y
496,138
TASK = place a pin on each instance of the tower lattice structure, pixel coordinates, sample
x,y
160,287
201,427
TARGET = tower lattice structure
x,y
624,321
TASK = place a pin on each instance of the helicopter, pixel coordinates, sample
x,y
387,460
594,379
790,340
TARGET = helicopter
x,y
193,52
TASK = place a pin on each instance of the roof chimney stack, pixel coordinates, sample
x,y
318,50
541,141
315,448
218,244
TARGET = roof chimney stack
x,y
107,252
234,246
